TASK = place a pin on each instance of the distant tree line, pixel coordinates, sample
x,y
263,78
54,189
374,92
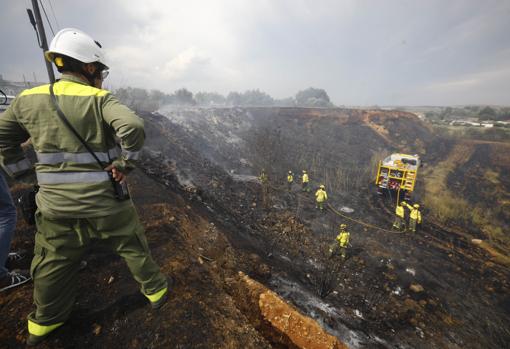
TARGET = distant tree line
x,y
150,100
481,113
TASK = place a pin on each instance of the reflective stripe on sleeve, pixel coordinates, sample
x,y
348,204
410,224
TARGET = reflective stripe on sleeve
x,y
71,177
131,155
80,158
17,167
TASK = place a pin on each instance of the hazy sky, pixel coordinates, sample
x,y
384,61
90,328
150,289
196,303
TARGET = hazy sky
x,y
405,52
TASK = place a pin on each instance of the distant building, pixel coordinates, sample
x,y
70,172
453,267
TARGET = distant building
x,y
13,88
464,123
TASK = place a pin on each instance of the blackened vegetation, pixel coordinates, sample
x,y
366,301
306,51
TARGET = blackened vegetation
x,y
328,277
339,148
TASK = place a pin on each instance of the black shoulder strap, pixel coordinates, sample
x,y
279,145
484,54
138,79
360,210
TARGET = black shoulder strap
x,y
62,117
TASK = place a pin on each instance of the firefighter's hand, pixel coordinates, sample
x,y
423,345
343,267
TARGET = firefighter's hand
x,y
117,175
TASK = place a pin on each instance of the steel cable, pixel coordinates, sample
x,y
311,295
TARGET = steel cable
x,y
47,19
54,16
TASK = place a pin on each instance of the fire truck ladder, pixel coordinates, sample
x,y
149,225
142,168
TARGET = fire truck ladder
x,y
410,179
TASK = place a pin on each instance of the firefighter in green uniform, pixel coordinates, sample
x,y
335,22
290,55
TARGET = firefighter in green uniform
x,y
305,181
414,216
263,177
342,241
290,180
76,200
265,188
320,197
400,223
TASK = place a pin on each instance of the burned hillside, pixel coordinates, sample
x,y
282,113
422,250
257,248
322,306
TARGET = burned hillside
x,y
208,218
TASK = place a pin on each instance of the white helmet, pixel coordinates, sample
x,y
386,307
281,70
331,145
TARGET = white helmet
x,y
76,44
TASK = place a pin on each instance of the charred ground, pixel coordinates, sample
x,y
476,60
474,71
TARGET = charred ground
x,y
207,219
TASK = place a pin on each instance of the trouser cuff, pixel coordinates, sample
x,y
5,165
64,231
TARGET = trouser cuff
x,y
155,297
42,330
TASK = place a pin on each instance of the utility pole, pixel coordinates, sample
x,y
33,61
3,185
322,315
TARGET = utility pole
x,y
41,35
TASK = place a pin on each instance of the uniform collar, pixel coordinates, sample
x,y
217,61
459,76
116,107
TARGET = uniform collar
x,y
73,78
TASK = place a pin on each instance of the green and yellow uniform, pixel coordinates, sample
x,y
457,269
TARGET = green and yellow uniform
x,y
305,181
76,201
290,180
414,217
342,240
399,217
263,177
320,197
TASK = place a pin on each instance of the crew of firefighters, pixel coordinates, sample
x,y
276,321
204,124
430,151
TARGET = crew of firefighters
x,y
339,248
414,217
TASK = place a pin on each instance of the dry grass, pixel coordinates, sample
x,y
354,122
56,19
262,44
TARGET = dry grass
x,y
444,204
497,256
492,176
447,207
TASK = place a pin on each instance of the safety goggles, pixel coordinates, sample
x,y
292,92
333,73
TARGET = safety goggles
x,y
104,74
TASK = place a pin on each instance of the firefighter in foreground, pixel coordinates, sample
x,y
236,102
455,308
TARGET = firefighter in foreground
x,y
76,201
342,241
414,216
290,180
400,223
320,197
305,181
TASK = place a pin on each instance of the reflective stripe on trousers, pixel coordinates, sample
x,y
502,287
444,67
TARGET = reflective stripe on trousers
x,y
157,296
41,330
131,155
80,158
71,177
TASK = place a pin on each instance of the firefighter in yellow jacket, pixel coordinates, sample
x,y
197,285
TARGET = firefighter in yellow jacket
x,y
414,216
342,242
320,197
305,181
400,223
290,180
77,201
264,180
263,177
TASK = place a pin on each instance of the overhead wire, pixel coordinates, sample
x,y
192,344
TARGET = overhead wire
x,y
46,15
54,16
